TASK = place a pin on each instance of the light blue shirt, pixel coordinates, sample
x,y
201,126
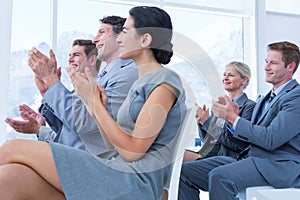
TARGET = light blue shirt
x,y
277,91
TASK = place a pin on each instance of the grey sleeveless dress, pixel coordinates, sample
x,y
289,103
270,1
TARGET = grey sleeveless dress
x,y
106,176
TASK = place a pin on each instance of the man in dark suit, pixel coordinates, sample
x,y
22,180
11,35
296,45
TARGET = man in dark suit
x,y
273,134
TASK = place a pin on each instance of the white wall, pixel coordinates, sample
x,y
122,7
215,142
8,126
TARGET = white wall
x,y
273,27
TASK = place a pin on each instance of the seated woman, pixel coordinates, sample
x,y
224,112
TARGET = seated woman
x,y
144,136
235,79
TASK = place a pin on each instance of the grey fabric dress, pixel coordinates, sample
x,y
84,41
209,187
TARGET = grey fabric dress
x,y
107,176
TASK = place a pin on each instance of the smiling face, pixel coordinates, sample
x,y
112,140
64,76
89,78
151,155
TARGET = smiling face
x,y
77,58
130,44
232,79
106,44
276,71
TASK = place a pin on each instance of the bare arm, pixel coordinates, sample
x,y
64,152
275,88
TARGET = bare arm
x,y
148,125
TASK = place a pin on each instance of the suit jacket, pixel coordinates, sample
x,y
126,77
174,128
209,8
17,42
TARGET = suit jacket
x,y
275,137
77,128
226,144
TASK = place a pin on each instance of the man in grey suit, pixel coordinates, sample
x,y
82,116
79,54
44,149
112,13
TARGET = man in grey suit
x,y
82,55
64,109
273,133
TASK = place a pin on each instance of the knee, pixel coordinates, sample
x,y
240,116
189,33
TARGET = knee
x,y
217,176
9,174
187,177
184,175
11,181
8,150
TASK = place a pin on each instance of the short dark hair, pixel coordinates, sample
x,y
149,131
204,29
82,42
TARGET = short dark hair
x,y
116,22
290,52
89,49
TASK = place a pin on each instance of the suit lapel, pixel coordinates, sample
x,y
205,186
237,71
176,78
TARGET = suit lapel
x,y
257,109
266,110
242,100
285,90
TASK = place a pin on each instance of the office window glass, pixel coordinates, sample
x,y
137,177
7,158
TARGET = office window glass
x,y
30,27
75,23
221,37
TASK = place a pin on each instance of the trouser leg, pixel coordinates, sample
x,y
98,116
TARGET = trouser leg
x,y
194,176
226,181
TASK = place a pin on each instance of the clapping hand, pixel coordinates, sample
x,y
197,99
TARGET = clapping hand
x,y
44,68
85,86
225,109
202,114
31,123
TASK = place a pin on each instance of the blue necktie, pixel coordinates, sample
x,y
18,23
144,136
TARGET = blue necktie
x,y
272,96
103,72
265,105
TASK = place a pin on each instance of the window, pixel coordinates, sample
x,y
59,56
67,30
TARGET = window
x,y
30,27
221,39
75,23
214,26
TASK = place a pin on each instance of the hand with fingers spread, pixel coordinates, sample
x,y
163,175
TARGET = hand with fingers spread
x,y
202,114
25,110
225,109
31,123
45,69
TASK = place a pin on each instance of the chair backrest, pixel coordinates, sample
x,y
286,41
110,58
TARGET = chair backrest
x,y
185,139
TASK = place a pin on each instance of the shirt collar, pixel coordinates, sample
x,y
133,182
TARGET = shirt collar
x,y
278,90
234,100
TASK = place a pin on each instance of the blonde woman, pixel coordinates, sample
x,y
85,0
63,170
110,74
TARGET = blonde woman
x,y
235,79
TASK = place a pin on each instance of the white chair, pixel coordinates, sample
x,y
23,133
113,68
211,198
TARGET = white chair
x,y
185,139
270,193
204,195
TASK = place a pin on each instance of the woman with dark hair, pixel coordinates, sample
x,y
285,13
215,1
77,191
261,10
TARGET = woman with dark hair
x,y
143,139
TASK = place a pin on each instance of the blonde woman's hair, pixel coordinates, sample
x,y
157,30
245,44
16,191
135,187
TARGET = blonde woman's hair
x,y
243,70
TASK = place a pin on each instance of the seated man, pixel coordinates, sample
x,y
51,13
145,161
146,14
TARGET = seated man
x,y
82,55
73,117
273,133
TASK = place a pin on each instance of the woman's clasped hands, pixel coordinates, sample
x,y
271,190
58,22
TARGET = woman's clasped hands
x,y
85,86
